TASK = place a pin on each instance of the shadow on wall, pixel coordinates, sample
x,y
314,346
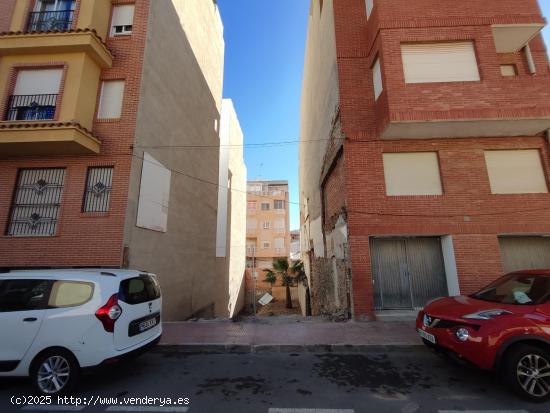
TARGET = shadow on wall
x,y
177,107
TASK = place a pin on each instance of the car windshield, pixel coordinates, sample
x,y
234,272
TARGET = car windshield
x,y
519,289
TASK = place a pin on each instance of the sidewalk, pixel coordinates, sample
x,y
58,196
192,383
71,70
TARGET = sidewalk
x,y
286,334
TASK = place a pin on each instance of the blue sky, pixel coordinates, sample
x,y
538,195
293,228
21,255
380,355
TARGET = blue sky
x,y
264,58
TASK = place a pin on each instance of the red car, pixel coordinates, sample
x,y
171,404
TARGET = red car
x,y
504,327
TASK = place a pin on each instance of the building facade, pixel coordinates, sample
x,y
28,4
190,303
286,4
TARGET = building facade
x,y
429,175
267,233
100,100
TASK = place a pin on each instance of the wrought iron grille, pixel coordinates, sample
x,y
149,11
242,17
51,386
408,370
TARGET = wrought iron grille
x,y
98,189
44,21
31,107
36,202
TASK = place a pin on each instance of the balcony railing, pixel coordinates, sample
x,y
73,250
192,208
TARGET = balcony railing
x,y
44,21
250,251
31,107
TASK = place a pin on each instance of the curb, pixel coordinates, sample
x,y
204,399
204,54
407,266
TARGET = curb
x,y
283,348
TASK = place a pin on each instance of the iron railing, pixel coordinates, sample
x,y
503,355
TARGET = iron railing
x,y
43,21
31,107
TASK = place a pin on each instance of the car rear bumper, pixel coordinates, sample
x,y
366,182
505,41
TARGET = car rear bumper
x,y
135,352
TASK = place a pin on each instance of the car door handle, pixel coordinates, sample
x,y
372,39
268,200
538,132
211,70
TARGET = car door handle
x,y
30,319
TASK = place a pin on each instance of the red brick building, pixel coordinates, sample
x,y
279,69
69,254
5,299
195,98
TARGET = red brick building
x,y
431,172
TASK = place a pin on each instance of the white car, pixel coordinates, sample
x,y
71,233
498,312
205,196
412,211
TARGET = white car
x,y
56,322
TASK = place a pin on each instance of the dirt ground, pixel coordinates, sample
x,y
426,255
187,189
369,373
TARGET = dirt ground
x,y
277,308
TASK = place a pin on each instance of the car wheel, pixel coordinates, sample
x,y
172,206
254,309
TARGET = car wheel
x,y
55,372
527,372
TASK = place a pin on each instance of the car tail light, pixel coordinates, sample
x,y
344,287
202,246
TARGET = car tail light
x,y
109,313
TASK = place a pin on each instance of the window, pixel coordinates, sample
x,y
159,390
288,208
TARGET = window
x,y
279,244
440,62
265,206
251,224
24,295
266,225
415,173
508,70
370,6
515,171
249,263
251,206
266,245
280,225
517,289
51,15
377,79
139,289
36,202
278,204
123,20
70,294
35,95
98,189
110,101
154,195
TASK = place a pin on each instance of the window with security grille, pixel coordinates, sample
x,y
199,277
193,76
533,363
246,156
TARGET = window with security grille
x,y
98,189
36,202
278,204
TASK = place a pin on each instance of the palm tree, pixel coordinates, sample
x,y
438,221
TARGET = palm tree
x,y
270,276
289,276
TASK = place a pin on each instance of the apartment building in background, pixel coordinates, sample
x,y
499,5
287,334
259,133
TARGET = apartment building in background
x,y
99,101
267,232
432,178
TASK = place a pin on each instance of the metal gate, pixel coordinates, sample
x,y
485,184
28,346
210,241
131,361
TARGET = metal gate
x,y
407,272
524,253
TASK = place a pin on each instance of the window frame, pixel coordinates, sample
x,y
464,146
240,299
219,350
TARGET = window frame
x,y
125,32
87,191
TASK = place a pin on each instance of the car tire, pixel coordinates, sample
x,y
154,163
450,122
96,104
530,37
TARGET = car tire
x,y
521,369
55,372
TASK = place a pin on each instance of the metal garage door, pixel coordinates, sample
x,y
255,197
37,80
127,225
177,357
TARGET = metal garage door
x,y
407,272
524,253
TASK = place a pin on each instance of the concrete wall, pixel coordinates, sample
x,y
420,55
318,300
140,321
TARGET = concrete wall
x,y
203,25
179,107
237,210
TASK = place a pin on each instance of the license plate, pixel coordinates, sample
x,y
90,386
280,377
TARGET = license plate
x,y
426,336
146,325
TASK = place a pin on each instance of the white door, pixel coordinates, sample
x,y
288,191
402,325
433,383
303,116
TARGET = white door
x,y
140,301
22,309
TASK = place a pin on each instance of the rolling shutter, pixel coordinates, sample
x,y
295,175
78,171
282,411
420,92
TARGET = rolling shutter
x,y
38,82
439,62
515,171
415,173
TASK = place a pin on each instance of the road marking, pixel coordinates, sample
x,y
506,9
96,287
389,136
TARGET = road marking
x,y
275,410
53,408
459,397
483,411
160,409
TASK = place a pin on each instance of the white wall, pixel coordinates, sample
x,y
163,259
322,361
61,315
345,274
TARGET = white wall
x,y
235,204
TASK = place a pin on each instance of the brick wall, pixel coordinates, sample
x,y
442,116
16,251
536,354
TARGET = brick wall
x,y
85,239
467,209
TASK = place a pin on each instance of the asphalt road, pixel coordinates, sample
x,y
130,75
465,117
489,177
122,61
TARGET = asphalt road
x,y
405,380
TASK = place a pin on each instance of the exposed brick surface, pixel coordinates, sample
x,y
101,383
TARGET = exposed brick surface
x,y
85,239
467,210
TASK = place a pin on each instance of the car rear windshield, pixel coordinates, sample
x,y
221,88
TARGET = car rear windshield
x,y
520,289
139,289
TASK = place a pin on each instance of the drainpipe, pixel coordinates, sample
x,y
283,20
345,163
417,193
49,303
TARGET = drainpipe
x,y
530,60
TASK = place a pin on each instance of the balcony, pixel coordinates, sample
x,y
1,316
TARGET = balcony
x,y
250,251
42,43
50,21
31,107
510,38
45,138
